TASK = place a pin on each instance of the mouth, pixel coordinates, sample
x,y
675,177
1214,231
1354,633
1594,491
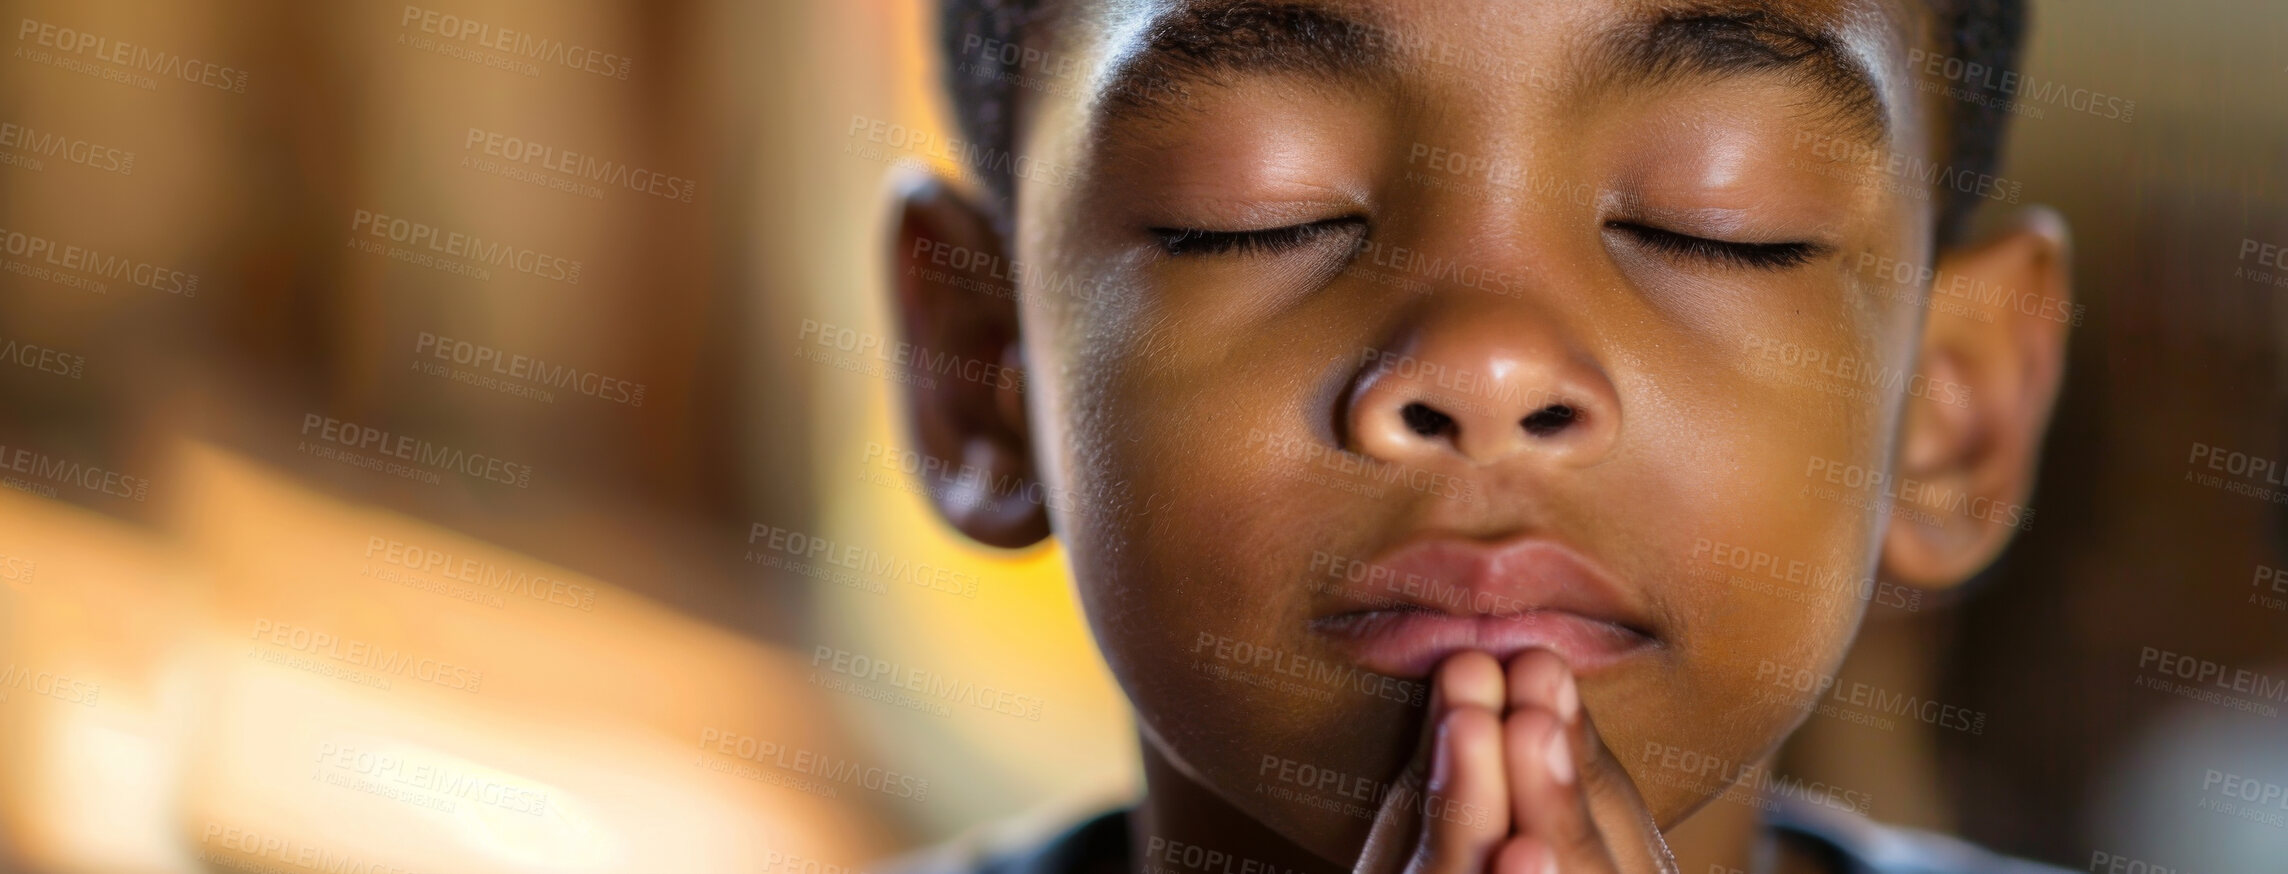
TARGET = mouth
x,y
1403,613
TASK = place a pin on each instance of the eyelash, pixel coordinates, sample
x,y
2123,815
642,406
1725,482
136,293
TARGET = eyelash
x,y
1273,241
1269,241
1754,256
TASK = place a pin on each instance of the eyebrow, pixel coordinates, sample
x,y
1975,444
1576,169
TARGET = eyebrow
x,y
1213,40
1721,40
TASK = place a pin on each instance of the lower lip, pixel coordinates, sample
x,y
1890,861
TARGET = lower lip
x,y
1408,644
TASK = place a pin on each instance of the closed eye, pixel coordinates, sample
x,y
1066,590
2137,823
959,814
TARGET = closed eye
x,y
1269,241
1726,253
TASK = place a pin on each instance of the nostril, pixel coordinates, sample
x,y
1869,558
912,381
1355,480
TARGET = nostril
x,y
1549,420
1426,421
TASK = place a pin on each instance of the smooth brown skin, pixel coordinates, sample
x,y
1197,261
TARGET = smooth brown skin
x,y
1150,409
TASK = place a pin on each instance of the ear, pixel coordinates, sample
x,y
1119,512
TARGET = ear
x,y
953,299
1993,354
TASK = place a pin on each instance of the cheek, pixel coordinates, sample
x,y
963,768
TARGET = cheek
x,y
1202,547
1199,430
1764,571
1199,590
1774,551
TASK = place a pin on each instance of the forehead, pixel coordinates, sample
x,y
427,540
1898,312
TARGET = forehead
x,y
1846,57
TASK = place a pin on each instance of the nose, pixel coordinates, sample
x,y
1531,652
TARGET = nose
x,y
1486,383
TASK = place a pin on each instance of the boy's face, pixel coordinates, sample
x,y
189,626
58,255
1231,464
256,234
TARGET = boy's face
x,y
1370,331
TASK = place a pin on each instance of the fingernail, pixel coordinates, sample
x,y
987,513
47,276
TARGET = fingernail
x,y
1560,759
1568,698
1548,863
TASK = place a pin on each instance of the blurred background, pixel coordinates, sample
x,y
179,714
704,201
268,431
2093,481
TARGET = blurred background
x,y
430,443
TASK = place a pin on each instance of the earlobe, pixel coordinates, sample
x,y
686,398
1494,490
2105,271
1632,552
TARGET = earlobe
x,y
1991,362
963,372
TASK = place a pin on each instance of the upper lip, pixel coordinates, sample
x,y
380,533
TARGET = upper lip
x,y
1463,577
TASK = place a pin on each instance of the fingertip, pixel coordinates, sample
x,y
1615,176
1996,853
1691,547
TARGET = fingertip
x,y
1542,677
1470,677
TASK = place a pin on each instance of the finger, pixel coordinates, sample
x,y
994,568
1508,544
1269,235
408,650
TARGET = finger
x,y
1614,811
1461,814
1546,794
1631,835
1463,817
1399,833
1539,680
1470,677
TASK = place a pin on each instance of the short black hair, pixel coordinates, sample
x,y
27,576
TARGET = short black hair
x,y
1980,34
